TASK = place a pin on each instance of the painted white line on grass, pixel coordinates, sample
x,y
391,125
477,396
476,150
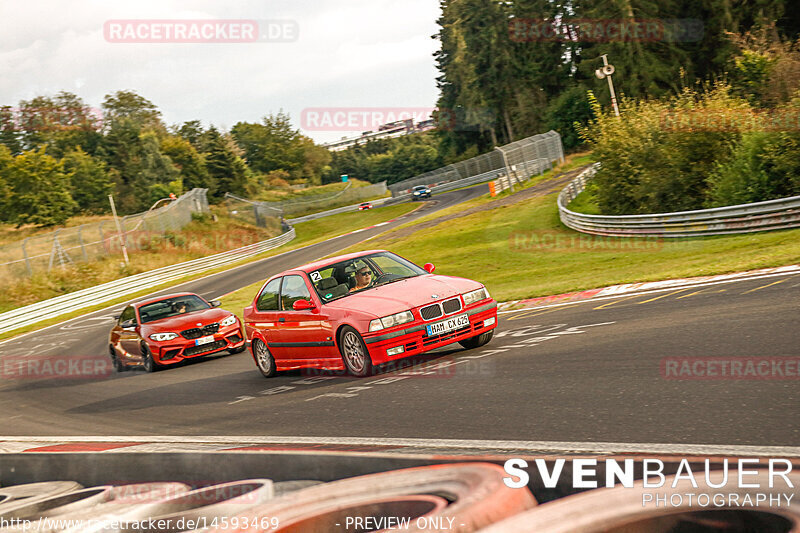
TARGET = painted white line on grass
x,y
442,444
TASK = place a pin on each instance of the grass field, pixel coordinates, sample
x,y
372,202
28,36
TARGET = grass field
x,y
523,250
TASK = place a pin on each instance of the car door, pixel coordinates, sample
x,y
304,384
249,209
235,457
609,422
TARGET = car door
x,y
129,342
305,334
264,316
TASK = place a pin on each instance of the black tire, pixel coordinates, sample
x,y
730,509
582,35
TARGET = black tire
x,y
240,349
264,360
477,341
115,362
149,363
354,353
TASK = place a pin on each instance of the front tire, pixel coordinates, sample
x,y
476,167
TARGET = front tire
x,y
264,360
149,364
354,353
477,341
115,362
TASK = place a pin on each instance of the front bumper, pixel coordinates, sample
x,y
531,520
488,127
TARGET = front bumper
x,y
176,350
414,338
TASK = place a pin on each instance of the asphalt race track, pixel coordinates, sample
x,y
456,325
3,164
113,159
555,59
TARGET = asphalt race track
x,y
595,371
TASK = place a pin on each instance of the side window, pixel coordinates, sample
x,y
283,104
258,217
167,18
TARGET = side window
x,y
268,301
294,288
127,314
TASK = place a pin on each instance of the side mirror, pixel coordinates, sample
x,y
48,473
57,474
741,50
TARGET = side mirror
x,y
302,305
429,268
215,303
128,324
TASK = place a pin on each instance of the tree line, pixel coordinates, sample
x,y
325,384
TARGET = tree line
x,y
59,157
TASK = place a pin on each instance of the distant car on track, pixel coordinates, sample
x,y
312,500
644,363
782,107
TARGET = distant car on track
x,y
365,205
168,329
421,191
360,310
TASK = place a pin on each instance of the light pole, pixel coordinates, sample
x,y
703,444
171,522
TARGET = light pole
x,y
605,72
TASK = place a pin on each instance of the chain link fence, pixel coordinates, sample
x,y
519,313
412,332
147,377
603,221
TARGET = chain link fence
x,y
258,213
518,160
89,242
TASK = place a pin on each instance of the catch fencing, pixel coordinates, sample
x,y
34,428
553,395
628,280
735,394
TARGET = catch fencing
x,y
518,161
89,242
783,213
256,212
107,292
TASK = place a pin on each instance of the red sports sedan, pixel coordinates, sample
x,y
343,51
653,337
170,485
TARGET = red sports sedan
x,y
168,329
364,309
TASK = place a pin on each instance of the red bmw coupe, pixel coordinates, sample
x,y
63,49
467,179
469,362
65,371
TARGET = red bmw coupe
x,y
360,310
168,329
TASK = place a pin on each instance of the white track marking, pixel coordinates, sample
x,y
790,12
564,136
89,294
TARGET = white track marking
x,y
647,292
443,444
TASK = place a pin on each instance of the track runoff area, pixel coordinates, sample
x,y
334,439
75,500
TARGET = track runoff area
x,y
648,391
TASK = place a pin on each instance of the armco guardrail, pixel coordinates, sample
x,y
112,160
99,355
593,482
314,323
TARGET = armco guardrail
x,y
783,213
55,307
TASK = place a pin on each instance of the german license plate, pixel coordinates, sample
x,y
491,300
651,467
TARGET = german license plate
x,y
451,324
204,340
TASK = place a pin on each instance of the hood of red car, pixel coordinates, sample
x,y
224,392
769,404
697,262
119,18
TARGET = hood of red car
x,y
187,321
405,294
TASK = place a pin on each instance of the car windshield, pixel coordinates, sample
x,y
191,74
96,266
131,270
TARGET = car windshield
x,y
178,305
420,187
339,280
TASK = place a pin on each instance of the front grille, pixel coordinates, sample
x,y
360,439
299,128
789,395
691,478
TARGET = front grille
x,y
452,306
195,333
210,347
430,312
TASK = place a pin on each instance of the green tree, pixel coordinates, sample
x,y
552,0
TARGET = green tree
x,y
39,190
90,183
190,163
228,171
6,161
9,130
129,105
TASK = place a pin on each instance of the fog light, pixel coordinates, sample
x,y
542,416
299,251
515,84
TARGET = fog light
x,y
396,350
489,322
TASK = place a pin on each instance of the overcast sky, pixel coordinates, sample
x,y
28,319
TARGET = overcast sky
x,y
348,53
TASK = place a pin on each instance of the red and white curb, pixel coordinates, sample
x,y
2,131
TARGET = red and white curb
x,y
174,444
649,286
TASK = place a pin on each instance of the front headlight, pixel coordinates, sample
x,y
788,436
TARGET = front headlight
x,y
475,296
229,321
163,336
391,321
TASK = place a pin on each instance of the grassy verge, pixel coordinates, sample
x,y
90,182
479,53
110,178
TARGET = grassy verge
x,y
307,233
585,203
523,250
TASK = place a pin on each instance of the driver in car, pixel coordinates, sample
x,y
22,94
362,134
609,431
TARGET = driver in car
x,y
363,278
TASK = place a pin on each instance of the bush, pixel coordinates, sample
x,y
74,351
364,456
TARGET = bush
x,y
658,155
570,108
